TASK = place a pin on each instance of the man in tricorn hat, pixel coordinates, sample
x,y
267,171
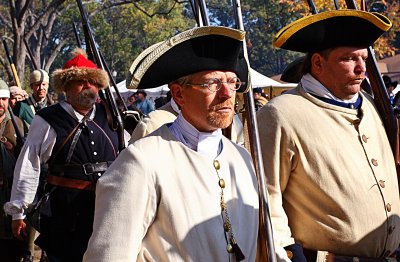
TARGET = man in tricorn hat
x,y
184,192
330,171
75,139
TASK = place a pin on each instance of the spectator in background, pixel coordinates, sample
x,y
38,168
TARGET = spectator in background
x,y
39,83
142,104
260,98
17,94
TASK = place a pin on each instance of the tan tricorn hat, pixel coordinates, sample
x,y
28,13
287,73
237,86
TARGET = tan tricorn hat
x,y
195,50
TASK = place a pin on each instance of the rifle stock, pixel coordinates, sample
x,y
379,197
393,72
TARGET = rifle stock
x,y
116,123
14,71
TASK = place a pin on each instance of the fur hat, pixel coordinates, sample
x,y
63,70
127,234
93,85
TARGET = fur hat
x,y
79,67
39,76
15,91
332,29
195,50
4,92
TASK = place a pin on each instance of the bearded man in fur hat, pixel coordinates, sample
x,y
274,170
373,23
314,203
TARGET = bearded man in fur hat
x,y
74,138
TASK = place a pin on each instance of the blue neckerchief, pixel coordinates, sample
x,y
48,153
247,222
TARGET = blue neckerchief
x,y
355,105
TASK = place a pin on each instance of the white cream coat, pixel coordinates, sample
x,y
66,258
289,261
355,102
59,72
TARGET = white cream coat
x,y
160,201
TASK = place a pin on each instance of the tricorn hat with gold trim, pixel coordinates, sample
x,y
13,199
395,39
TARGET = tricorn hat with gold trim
x,y
332,29
195,50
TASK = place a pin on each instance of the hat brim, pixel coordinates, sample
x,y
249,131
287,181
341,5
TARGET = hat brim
x,y
293,71
332,29
195,50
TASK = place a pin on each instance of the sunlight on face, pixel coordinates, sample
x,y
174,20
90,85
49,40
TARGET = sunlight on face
x,y
204,109
342,71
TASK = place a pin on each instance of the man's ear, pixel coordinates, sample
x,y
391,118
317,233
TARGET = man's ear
x,y
176,93
316,63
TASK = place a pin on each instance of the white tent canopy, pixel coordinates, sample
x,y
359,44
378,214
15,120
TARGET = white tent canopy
x,y
260,80
257,80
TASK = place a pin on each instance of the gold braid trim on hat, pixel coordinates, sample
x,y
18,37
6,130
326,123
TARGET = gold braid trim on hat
x,y
152,53
380,21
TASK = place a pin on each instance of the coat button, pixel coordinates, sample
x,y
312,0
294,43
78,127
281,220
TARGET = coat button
x,y
364,138
391,229
388,207
382,183
374,162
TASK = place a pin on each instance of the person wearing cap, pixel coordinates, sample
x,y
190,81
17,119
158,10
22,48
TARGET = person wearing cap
x,y
74,138
17,94
142,104
184,192
259,98
331,175
10,248
39,83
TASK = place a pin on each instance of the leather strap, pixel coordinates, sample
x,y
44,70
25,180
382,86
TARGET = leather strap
x,y
87,168
71,183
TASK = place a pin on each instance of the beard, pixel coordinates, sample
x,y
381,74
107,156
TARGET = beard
x,y
84,99
219,119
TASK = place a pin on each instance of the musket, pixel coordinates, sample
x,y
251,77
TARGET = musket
x,y
79,44
14,71
78,40
382,101
116,122
20,139
266,224
35,67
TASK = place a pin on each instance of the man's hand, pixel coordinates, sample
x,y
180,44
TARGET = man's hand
x,y
19,229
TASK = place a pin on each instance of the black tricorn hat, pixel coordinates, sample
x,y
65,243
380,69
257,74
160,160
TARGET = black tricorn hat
x,y
332,29
195,50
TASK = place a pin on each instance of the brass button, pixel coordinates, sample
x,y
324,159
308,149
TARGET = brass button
x,y
382,183
364,138
289,254
221,183
374,162
388,207
217,166
391,229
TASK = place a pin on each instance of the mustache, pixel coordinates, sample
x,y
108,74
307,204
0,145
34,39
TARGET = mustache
x,y
89,93
226,103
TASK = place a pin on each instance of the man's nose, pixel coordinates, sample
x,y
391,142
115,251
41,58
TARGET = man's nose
x,y
226,90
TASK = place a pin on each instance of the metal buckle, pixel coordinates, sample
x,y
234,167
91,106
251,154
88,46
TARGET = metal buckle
x,y
87,168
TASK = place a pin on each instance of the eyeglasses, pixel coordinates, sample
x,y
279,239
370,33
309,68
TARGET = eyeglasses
x,y
215,84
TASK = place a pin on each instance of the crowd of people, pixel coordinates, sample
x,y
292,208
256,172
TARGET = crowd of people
x,y
181,186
